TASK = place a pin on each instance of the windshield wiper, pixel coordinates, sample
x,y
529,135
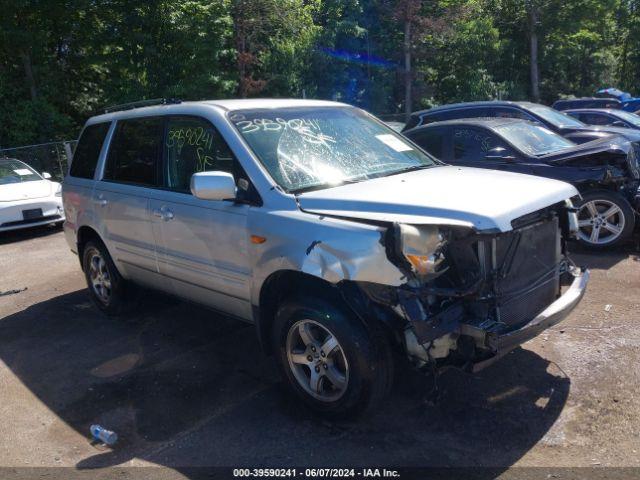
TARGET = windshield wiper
x,y
412,168
321,186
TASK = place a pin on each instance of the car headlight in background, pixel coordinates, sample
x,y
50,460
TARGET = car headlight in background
x,y
58,191
421,246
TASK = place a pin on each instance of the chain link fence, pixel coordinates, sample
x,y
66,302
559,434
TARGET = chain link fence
x,y
53,157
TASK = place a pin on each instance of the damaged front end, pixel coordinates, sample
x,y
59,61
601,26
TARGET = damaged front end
x,y
470,296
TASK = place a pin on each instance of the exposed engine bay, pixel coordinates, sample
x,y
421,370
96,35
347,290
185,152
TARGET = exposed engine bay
x,y
466,289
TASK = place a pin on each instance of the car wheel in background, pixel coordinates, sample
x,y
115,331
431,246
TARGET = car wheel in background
x,y
605,219
329,359
107,288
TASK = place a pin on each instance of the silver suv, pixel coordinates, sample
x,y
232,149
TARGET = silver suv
x,y
338,238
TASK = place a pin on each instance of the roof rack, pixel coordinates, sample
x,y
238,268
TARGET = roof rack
x,y
142,103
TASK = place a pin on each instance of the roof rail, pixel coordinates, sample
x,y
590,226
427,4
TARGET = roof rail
x,y
142,103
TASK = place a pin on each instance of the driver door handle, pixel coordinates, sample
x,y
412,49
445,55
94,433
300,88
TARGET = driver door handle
x,y
163,212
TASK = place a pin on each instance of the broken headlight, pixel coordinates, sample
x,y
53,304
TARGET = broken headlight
x,y
572,219
422,247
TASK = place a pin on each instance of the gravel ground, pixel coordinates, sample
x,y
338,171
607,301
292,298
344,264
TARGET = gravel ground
x,y
183,387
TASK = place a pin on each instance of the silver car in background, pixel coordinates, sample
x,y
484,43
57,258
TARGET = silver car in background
x,y
338,238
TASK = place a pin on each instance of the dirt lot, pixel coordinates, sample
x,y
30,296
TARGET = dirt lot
x,y
183,387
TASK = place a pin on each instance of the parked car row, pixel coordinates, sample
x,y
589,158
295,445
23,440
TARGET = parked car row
x,y
601,161
339,238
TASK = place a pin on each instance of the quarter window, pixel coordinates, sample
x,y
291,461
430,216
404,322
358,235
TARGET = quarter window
x,y
135,151
193,145
85,158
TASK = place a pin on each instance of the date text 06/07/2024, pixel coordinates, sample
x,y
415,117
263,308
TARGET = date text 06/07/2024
x,y
316,473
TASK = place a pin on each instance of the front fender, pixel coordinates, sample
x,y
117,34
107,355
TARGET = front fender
x,y
327,248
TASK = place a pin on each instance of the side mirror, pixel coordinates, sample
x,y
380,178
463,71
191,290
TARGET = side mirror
x,y
46,175
499,154
213,186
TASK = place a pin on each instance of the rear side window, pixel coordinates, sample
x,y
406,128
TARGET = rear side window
x,y
134,155
506,112
85,158
431,139
458,113
193,145
596,119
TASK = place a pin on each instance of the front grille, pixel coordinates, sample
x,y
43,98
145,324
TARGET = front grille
x,y
525,271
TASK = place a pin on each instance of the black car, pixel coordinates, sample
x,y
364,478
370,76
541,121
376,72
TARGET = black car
x,y
605,171
589,102
606,117
556,121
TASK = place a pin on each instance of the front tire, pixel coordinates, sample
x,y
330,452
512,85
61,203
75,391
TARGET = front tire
x,y
108,290
605,219
329,359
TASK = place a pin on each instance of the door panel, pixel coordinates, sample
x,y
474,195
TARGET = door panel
x,y
126,229
202,249
202,245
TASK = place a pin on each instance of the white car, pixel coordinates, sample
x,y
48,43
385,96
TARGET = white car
x,y
27,198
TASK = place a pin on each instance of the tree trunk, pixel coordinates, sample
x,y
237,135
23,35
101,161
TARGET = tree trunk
x,y
28,73
407,70
533,52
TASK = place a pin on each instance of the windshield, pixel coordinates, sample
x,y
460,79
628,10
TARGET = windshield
x,y
632,118
14,171
315,147
554,117
533,139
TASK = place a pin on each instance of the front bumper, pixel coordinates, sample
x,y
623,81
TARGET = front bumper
x,y
553,314
12,218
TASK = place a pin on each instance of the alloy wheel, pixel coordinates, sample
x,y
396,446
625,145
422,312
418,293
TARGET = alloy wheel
x,y
600,222
317,360
99,276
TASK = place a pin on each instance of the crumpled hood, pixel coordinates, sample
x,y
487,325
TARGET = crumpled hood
x,y
445,195
607,144
26,190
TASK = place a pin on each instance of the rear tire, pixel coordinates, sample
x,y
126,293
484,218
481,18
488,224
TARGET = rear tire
x,y
329,359
109,291
605,219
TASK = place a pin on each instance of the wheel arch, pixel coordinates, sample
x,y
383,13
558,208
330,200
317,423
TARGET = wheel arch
x,y
280,285
348,294
84,235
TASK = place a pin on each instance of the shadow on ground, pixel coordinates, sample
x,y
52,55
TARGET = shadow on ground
x,y
183,387
13,236
605,259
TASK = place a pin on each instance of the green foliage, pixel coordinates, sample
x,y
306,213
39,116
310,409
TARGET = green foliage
x,y
62,61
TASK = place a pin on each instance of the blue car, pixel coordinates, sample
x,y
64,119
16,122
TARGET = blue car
x,y
629,103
